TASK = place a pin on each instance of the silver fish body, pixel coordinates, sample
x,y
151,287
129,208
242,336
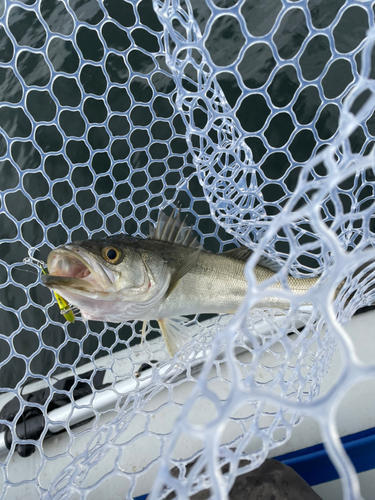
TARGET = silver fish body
x,y
168,275
216,284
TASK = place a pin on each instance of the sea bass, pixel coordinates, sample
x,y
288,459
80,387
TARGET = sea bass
x,y
166,276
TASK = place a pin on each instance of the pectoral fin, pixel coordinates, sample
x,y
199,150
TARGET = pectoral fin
x,y
175,333
184,268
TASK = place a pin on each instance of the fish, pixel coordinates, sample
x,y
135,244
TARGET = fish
x,y
163,277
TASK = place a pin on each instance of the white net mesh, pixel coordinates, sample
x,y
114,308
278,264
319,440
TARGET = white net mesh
x,y
258,118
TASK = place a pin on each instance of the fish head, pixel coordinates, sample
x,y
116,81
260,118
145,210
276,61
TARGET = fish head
x,y
105,278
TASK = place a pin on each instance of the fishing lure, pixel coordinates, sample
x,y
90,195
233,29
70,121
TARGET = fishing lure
x,y
64,307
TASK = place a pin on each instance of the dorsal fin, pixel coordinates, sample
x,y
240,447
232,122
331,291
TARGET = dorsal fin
x,y
239,253
244,253
172,229
269,264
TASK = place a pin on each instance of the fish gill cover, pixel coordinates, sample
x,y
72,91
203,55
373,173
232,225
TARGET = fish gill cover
x,y
258,118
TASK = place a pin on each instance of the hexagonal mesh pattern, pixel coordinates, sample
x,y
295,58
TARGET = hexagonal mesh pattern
x,y
258,118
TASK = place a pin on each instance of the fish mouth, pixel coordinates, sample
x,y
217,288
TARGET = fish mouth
x,y
70,266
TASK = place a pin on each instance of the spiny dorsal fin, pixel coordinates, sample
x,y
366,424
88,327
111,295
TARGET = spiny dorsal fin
x,y
172,229
244,253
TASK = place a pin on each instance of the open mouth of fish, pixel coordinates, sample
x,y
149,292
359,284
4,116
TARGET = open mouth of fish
x,y
72,267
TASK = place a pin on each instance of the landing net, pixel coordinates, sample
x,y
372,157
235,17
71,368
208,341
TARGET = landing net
x,y
257,117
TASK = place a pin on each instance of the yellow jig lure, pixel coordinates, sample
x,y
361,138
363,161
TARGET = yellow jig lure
x,y
64,307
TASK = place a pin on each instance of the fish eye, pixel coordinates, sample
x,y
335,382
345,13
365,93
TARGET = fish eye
x,y
111,254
